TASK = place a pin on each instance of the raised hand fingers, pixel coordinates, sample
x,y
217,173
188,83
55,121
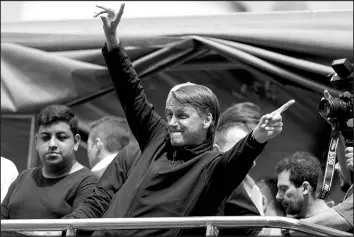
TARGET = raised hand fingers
x,y
105,21
112,19
105,8
275,116
265,119
118,16
276,124
284,107
121,10
273,126
99,13
271,118
272,123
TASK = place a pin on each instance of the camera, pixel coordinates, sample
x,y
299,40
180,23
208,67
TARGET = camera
x,y
340,110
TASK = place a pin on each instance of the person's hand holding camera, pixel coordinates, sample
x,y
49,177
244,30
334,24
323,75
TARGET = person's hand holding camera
x,y
349,158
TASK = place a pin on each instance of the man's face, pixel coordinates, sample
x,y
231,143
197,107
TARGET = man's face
x,y
232,136
56,145
290,197
185,125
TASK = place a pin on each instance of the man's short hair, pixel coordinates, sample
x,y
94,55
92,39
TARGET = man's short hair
x,y
303,167
200,98
114,132
245,112
57,113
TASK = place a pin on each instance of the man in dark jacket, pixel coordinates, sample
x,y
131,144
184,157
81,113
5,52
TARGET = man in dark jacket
x,y
178,173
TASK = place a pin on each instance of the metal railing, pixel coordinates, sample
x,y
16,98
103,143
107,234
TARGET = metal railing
x,y
212,224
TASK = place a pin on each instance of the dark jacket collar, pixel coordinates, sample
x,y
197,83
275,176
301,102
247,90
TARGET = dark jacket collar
x,y
188,152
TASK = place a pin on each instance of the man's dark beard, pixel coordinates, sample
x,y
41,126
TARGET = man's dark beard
x,y
293,209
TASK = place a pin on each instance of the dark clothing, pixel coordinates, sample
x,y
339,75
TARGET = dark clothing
x,y
238,203
109,184
168,181
32,196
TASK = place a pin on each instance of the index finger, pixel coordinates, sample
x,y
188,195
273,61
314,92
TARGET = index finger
x,y
120,12
284,107
99,13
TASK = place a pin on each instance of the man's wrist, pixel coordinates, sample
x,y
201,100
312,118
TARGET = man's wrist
x,y
112,41
256,138
253,142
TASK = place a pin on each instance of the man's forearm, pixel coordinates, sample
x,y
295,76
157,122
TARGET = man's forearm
x,y
330,218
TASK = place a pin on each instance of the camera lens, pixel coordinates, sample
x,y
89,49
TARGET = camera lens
x,y
325,108
333,108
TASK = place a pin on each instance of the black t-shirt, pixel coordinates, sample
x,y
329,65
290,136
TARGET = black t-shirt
x,y
32,196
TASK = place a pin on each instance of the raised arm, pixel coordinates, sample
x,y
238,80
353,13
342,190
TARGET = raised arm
x,y
144,122
111,181
234,164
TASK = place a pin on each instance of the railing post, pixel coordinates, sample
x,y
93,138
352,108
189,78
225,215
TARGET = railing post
x,y
70,231
212,230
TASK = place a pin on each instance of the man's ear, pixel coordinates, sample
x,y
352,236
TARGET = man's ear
x,y
208,120
99,142
306,188
77,139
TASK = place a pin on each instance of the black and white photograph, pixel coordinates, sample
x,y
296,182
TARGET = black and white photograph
x,y
177,118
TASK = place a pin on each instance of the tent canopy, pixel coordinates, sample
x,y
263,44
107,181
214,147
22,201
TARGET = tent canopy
x,y
267,59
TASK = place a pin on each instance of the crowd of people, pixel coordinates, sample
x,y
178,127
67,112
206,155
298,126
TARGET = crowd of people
x,y
196,162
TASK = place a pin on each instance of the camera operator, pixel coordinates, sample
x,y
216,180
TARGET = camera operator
x,y
340,216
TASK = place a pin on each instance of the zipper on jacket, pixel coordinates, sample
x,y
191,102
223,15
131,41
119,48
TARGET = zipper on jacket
x,y
174,156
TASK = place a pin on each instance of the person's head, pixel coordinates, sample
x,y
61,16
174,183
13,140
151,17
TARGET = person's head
x,y
235,123
57,136
269,189
245,112
298,177
192,112
227,135
108,135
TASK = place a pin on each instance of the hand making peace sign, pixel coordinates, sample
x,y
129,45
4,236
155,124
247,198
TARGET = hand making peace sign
x,y
271,124
110,19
